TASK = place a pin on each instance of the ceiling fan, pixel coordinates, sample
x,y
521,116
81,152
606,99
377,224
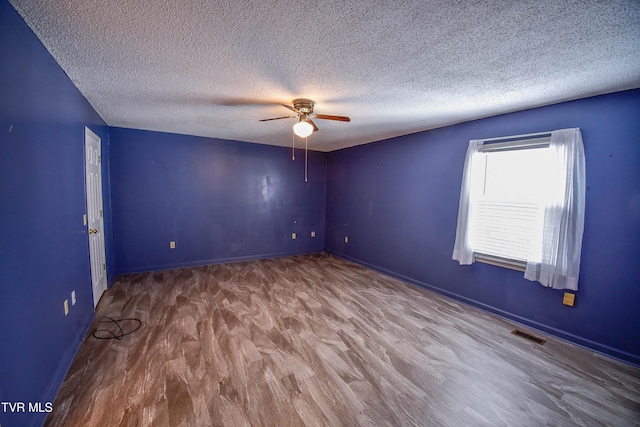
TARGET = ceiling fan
x,y
304,112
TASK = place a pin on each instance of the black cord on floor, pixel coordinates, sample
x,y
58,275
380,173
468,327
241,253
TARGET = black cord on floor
x,y
106,334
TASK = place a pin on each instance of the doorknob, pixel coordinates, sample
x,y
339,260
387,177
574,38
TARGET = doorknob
x,y
93,231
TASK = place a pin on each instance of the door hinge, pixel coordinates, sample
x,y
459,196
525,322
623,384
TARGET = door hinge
x,y
104,266
100,213
99,158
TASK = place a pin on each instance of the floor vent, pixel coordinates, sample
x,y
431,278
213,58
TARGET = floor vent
x,y
528,336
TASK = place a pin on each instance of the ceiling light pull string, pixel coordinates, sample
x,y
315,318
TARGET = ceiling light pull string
x,y
305,160
293,146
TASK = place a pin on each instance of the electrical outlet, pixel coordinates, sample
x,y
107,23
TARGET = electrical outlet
x,y
172,245
346,239
293,236
66,307
73,298
313,234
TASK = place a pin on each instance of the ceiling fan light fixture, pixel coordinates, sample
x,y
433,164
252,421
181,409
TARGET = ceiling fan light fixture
x,y
303,129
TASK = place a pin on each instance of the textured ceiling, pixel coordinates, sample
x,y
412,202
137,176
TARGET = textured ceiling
x,y
395,67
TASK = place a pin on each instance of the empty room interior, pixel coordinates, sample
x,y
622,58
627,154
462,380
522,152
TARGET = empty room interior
x,y
416,213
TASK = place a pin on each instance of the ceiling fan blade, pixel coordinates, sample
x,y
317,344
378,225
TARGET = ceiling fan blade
x,y
315,128
278,118
328,117
294,109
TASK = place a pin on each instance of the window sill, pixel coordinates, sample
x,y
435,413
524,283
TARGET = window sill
x,y
501,262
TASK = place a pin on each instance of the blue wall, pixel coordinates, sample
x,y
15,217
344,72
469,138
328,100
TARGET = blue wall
x,y
397,201
44,253
218,200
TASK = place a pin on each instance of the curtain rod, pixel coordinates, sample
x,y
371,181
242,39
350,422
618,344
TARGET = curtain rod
x,y
527,135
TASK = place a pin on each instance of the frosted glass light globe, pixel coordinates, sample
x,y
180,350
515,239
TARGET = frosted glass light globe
x,y
303,129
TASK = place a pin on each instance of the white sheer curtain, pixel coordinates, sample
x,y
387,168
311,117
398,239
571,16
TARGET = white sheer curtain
x,y
559,261
462,250
554,259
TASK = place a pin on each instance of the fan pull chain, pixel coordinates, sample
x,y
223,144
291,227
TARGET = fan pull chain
x,y
293,146
305,160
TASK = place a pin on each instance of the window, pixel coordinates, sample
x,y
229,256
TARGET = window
x,y
509,185
522,206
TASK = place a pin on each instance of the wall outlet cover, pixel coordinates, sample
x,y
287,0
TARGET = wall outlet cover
x,y
569,299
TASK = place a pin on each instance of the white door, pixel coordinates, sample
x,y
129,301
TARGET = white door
x,y
95,223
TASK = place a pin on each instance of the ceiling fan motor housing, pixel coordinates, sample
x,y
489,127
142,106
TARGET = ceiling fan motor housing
x,y
305,106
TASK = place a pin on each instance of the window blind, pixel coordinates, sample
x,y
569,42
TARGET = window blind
x,y
504,229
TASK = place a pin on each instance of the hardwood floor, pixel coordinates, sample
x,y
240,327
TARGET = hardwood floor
x,y
313,340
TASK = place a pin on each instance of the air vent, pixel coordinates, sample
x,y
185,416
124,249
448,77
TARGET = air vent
x,y
528,336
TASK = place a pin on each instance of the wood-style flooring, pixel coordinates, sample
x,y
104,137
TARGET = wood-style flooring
x,y
314,340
